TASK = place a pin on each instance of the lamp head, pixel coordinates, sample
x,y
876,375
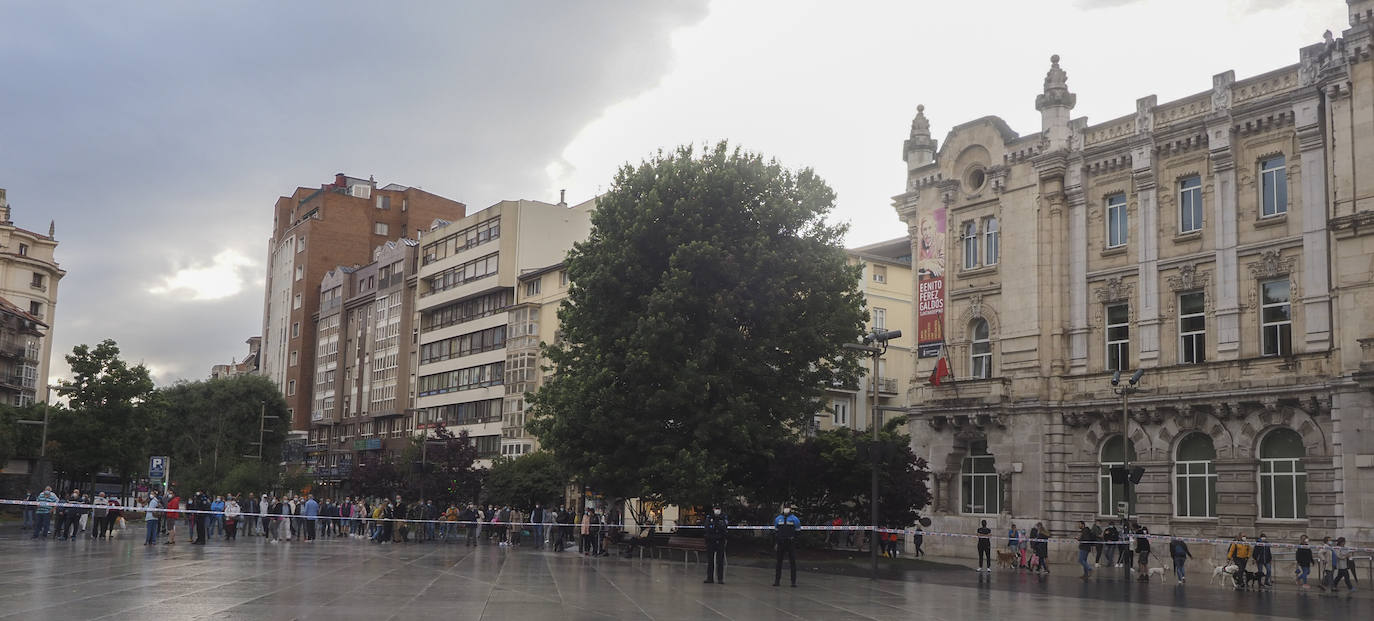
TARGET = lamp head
x,y
1116,377
1135,378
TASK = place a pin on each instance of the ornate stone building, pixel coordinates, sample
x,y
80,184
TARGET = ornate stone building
x,y
1223,242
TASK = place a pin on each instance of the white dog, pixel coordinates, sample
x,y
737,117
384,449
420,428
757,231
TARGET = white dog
x,y
1151,573
1222,573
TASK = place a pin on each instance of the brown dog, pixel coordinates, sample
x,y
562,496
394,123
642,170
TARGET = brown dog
x,y
1006,560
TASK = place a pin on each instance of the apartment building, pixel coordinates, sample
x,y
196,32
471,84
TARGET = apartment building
x,y
469,271
533,320
28,281
1221,242
315,230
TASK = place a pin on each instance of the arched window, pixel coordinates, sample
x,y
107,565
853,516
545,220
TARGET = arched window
x,y
970,245
981,490
980,351
1195,477
1108,493
1282,477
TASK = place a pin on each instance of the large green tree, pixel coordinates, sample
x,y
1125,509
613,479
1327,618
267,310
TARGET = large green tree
x,y
210,428
525,480
109,418
707,311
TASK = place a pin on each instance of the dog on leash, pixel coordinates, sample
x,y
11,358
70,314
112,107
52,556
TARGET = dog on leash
x,y
1224,572
1149,574
1006,560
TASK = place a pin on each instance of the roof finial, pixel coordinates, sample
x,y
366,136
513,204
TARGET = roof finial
x,y
919,149
1056,91
52,228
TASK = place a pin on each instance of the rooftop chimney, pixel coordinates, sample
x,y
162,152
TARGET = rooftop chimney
x,y
339,180
562,200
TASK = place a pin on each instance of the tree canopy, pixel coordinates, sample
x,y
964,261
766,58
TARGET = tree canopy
x,y
525,481
109,415
707,311
210,428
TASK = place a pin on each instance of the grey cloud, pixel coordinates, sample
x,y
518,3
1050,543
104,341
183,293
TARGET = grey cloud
x,y
163,132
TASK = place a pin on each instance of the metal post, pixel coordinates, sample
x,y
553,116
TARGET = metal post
x,y
873,454
43,448
1126,465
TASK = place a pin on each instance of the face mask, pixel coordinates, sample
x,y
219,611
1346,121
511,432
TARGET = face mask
x,y
786,511
717,511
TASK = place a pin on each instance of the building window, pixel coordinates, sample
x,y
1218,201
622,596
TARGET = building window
x,y
23,250
1192,328
562,278
1273,187
1195,478
300,244
1276,319
532,287
35,309
980,352
970,245
37,282
294,358
880,274
296,303
290,387
295,329
1108,493
300,272
380,228
879,318
383,201
1117,228
841,413
992,241
1283,478
1118,337
980,488
1190,204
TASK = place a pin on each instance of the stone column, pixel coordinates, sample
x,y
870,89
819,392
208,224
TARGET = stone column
x,y
1316,282
942,492
1078,267
1227,294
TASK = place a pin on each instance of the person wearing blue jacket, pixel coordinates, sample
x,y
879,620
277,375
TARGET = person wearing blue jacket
x,y
785,527
311,511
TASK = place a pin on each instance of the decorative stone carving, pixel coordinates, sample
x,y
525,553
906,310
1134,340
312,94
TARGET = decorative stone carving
x,y
1056,88
1114,290
1078,419
1271,264
1221,91
1145,114
1189,278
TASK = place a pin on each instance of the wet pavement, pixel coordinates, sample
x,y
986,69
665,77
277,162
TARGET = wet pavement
x,y
346,579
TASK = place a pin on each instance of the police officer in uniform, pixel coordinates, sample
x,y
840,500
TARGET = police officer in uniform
x,y
716,525
785,527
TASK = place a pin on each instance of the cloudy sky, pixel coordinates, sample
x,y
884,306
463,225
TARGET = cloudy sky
x,y
159,134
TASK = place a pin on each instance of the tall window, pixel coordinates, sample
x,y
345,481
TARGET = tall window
x,y
1276,319
1192,328
970,245
992,241
879,318
880,273
1117,228
841,413
532,287
1190,204
380,228
980,352
1108,493
1118,337
1283,479
1195,478
981,490
1273,187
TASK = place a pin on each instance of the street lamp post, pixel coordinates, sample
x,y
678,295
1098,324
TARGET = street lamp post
x,y
875,343
1125,393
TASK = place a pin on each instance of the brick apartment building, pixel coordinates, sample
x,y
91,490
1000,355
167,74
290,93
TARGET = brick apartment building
x,y
315,230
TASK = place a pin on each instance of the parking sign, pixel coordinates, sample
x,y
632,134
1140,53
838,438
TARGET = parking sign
x,y
157,467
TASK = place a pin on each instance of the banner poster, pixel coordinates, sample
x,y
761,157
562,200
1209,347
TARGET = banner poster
x,y
930,283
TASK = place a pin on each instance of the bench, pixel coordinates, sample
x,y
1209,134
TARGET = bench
x,y
692,546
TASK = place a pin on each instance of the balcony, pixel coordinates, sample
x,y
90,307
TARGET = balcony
x,y
886,386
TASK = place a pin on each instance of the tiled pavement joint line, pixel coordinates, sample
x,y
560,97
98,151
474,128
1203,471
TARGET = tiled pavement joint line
x,y
750,596
596,568
105,594
505,561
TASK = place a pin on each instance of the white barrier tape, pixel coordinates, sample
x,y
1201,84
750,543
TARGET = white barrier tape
x,y
844,528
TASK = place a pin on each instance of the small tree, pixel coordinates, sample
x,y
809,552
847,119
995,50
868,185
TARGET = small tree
x,y
110,418
525,481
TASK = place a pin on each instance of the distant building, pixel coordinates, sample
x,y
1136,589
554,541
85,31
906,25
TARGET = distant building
x,y
28,281
235,369
21,346
886,285
314,231
468,275
533,321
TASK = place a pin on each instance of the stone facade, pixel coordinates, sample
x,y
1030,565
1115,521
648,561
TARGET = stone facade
x,y
29,275
1223,242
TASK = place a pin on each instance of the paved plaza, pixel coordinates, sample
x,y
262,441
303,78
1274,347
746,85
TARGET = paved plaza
x,y
339,580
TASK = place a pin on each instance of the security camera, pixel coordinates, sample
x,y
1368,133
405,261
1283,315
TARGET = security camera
x,y
1116,377
1135,379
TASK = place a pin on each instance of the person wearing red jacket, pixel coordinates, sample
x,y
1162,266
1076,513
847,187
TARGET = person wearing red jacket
x,y
172,516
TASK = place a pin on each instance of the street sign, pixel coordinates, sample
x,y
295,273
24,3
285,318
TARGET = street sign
x,y
157,467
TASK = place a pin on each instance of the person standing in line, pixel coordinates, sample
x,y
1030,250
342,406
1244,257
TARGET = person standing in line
x,y
151,516
1303,556
537,525
42,513
311,511
29,514
233,514
1239,553
1178,551
1142,552
71,521
112,517
102,511
984,547
1085,546
918,540
469,519
1340,563
216,522
1014,542
1110,537
1097,547
1264,560
716,526
200,518
1039,540
588,539
171,516
785,527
